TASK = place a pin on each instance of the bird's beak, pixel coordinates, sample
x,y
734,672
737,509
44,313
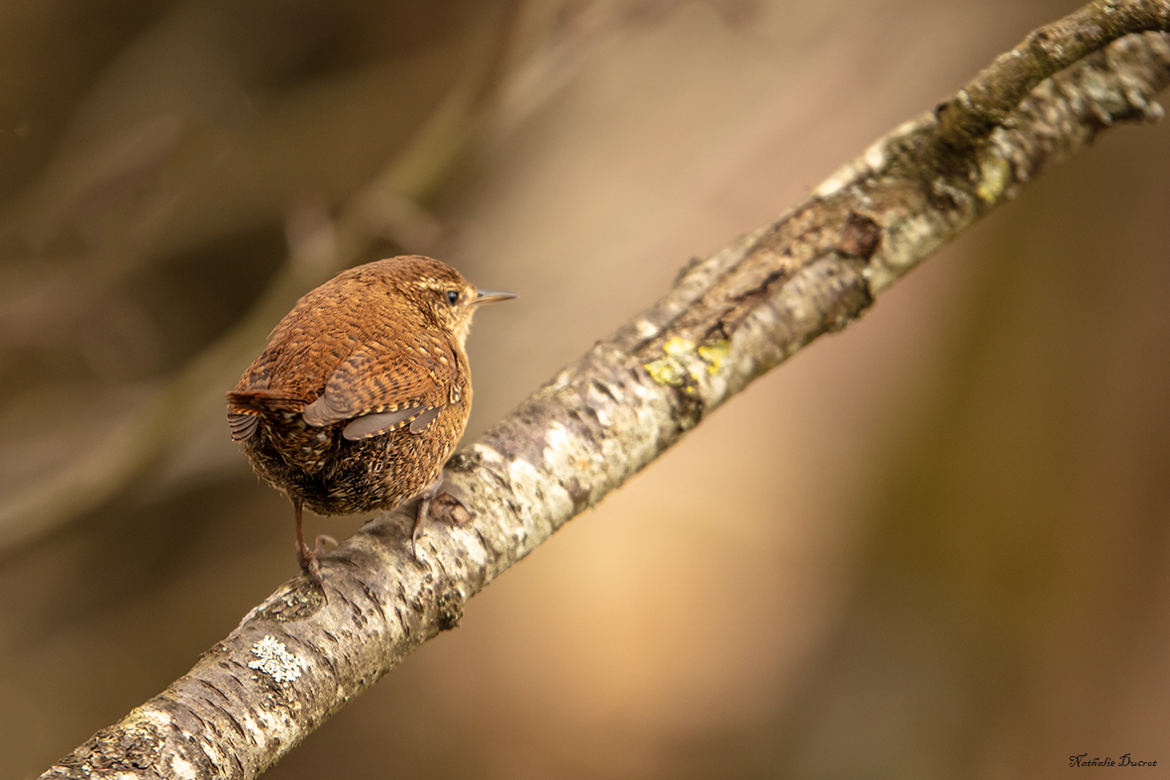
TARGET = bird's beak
x,y
490,296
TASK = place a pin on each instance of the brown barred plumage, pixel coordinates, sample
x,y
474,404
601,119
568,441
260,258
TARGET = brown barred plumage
x,y
363,390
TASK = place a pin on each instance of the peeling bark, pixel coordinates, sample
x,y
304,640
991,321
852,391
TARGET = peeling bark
x,y
302,654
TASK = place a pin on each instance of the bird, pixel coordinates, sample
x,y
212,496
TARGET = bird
x,y
362,392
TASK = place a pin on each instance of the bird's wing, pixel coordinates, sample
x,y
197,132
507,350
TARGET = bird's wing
x,y
382,386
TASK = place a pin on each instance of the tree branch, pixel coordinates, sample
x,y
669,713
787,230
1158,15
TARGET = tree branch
x,y
301,655
985,102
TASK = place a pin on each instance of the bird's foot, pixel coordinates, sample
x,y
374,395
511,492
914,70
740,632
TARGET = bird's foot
x,y
308,560
434,505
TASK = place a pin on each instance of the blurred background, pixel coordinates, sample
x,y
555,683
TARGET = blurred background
x,y
932,546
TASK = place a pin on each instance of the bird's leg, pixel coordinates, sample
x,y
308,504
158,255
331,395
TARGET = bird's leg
x,y
305,557
424,510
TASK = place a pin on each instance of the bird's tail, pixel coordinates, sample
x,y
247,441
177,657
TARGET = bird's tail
x,y
246,406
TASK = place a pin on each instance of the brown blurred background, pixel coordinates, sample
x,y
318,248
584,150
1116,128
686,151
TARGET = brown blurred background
x,y
933,546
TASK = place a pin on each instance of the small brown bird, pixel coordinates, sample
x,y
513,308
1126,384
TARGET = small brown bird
x,y
362,392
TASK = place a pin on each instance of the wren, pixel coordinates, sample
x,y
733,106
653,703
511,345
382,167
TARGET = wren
x,y
363,391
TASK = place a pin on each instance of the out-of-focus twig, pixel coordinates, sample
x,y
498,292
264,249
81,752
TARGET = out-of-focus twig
x,y
385,207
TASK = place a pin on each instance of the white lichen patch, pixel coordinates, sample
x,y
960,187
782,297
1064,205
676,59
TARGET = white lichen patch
x,y
254,729
557,438
533,490
909,241
561,453
646,329
839,179
603,416
149,714
487,454
522,472
875,155
182,769
473,545
273,723
678,347
275,661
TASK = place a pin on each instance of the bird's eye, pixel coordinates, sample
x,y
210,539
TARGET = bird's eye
x,y
452,297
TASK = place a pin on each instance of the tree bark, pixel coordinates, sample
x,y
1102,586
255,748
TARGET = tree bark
x,y
299,656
